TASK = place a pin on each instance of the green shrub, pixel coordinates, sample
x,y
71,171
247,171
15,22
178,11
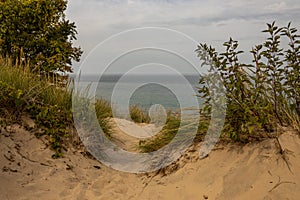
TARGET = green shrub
x,y
11,99
259,94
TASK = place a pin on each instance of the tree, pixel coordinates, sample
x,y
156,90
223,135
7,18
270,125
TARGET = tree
x,y
37,31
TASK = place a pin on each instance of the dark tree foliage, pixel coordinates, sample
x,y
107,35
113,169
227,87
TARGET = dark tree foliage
x,y
37,31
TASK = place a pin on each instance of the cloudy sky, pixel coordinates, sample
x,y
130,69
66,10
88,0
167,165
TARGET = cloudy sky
x,y
209,21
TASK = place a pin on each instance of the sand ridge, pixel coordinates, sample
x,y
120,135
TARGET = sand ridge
x,y
253,171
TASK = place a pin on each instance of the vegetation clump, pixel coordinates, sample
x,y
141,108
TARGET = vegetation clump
x,y
48,103
167,133
259,95
138,115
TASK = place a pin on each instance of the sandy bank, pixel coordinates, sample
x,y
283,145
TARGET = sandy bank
x,y
254,171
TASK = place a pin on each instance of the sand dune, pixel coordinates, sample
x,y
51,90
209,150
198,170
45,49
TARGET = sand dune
x,y
253,171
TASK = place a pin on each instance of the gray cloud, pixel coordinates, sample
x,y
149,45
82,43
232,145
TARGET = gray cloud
x,y
209,21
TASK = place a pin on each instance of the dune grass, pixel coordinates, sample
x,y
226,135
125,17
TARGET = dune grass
x,y
171,128
163,138
47,102
25,92
138,115
28,89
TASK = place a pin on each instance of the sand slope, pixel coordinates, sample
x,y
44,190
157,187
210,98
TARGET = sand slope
x,y
255,171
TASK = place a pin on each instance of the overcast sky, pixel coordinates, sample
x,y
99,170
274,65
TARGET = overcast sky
x,y
209,21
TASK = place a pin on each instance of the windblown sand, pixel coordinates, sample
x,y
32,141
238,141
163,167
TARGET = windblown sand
x,y
254,171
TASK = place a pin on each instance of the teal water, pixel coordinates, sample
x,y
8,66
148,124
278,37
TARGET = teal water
x,y
169,91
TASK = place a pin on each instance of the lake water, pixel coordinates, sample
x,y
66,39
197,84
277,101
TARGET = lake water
x,y
171,91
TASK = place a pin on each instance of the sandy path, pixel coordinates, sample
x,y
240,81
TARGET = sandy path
x,y
127,134
255,171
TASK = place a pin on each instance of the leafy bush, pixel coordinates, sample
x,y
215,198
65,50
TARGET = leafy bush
x,y
12,98
259,95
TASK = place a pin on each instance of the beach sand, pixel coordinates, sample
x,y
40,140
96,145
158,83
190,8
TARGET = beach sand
x,y
252,171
